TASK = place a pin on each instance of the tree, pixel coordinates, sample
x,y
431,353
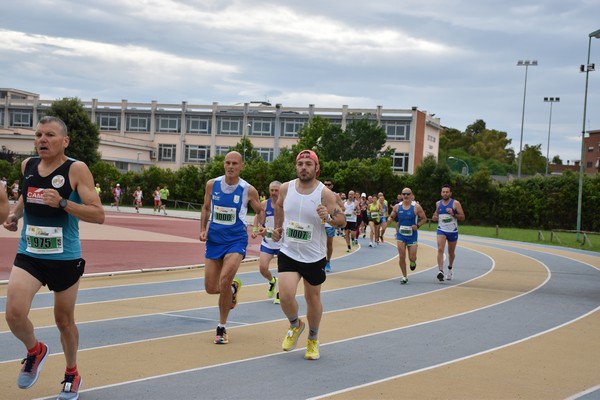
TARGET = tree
x,y
533,161
362,139
83,133
556,160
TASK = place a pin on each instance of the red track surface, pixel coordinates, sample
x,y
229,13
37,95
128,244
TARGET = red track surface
x,y
125,255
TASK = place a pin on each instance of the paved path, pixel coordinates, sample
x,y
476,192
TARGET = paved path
x,y
518,321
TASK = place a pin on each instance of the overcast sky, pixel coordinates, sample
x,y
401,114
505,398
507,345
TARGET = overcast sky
x,y
454,58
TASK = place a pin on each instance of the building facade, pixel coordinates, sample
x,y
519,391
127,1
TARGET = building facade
x,y
135,135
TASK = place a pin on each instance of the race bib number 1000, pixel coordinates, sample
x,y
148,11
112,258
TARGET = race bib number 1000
x,y
44,239
224,215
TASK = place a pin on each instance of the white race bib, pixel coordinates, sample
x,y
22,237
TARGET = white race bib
x,y
298,232
44,239
224,215
406,230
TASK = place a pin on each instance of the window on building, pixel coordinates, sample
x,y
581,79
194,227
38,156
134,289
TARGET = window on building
x,y
397,130
1,117
167,152
589,164
400,162
590,149
261,127
167,124
222,150
291,127
198,126
108,122
138,123
265,152
122,166
21,118
229,126
197,154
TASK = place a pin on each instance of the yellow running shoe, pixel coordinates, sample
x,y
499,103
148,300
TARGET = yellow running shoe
x,y
271,290
312,350
291,338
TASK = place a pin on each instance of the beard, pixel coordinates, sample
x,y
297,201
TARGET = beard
x,y
306,176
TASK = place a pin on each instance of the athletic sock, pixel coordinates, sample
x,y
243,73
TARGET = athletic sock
x,y
71,371
313,333
36,349
294,322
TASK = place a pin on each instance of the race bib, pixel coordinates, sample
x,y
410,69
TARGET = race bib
x,y
375,215
224,215
447,218
298,232
406,230
44,239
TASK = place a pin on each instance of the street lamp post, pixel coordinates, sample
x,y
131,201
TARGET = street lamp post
x,y
550,100
526,64
463,161
584,68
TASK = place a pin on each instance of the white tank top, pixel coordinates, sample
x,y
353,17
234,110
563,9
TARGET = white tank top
x,y
349,211
304,237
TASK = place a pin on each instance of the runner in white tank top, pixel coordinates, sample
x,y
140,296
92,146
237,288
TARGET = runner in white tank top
x,y
303,207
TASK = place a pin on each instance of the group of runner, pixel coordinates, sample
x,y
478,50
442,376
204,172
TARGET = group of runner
x,y
159,198
58,191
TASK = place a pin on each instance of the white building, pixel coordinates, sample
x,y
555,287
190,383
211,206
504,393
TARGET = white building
x,y
134,135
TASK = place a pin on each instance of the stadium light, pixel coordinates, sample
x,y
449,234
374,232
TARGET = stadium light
x,y
550,100
526,64
595,34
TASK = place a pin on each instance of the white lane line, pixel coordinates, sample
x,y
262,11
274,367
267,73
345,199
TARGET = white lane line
x,y
346,390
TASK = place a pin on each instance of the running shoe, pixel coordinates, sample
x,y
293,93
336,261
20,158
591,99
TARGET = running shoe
x,y
440,276
403,280
328,267
271,290
413,265
449,275
221,337
291,338
349,249
32,366
237,284
312,350
276,299
371,244
71,386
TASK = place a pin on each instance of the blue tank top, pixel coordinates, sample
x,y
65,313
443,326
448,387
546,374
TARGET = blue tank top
x,y
446,222
270,224
48,233
228,212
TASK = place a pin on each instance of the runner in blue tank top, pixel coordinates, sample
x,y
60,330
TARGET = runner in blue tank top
x,y
226,200
409,217
57,192
268,247
447,213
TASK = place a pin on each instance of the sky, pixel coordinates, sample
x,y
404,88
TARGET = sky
x,y
457,59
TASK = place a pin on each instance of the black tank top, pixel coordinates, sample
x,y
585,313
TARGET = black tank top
x,y
33,188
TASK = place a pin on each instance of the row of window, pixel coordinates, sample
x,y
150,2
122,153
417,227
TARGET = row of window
x,y
201,154
198,125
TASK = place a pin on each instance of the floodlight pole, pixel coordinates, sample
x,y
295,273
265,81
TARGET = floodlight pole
x,y
595,34
549,100
526,64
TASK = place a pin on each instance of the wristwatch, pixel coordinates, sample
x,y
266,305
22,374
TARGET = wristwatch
x,y
62,203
